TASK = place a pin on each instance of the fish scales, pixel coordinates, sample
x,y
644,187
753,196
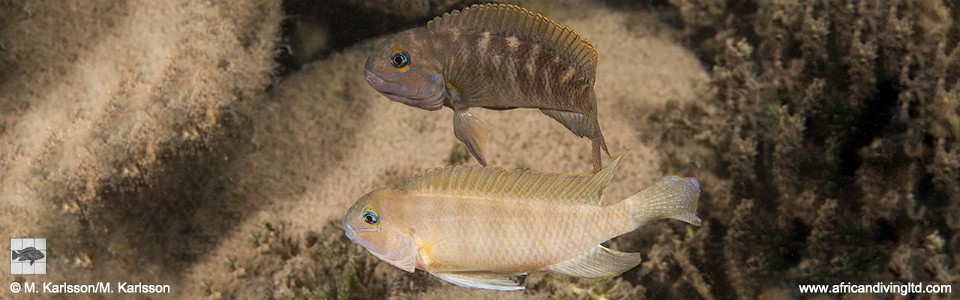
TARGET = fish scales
x,y
494,56
508,246
485,85
474,226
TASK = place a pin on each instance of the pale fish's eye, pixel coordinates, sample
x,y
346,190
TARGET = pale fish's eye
x,y
370,217
399,59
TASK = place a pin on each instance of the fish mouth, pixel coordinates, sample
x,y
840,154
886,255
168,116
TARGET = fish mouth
x,y
372,79
430,99
351,234
383,87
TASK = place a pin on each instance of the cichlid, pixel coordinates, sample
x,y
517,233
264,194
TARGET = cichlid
x,y
477,226
495,56
28,253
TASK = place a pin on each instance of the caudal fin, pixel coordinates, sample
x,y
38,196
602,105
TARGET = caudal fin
x,y
669,198
15,254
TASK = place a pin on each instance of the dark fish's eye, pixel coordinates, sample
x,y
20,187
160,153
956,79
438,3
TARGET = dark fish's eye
x,y
399,59
370,217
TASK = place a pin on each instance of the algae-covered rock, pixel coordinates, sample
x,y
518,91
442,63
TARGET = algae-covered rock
x,y
835,125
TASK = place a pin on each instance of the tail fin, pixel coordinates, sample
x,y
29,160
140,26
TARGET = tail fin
x,y
669,198
15,254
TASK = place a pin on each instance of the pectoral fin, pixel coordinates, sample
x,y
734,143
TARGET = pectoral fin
x,y
472,132
481,281
597,263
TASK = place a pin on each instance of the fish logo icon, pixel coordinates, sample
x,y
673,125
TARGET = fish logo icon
x,y
28,253
28,256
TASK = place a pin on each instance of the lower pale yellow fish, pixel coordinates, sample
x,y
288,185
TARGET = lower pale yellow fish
x,y
477,226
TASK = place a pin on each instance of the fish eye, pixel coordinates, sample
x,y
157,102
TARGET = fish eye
x,y
399,59
370,217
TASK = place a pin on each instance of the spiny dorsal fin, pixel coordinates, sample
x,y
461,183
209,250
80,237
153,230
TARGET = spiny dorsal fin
x,y
474,180
509,19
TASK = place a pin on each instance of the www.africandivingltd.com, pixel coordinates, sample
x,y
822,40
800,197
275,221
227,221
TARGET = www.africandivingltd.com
x,y
876,288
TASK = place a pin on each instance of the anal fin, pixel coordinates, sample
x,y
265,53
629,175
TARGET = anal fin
x,y
576,122
481,281
472,132
582,126
599,262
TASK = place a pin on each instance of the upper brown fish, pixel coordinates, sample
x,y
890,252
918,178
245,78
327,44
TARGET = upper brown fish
x,y
495,56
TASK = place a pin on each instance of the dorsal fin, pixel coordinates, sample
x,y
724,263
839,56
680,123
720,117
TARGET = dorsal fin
x,y
509,19
475,180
